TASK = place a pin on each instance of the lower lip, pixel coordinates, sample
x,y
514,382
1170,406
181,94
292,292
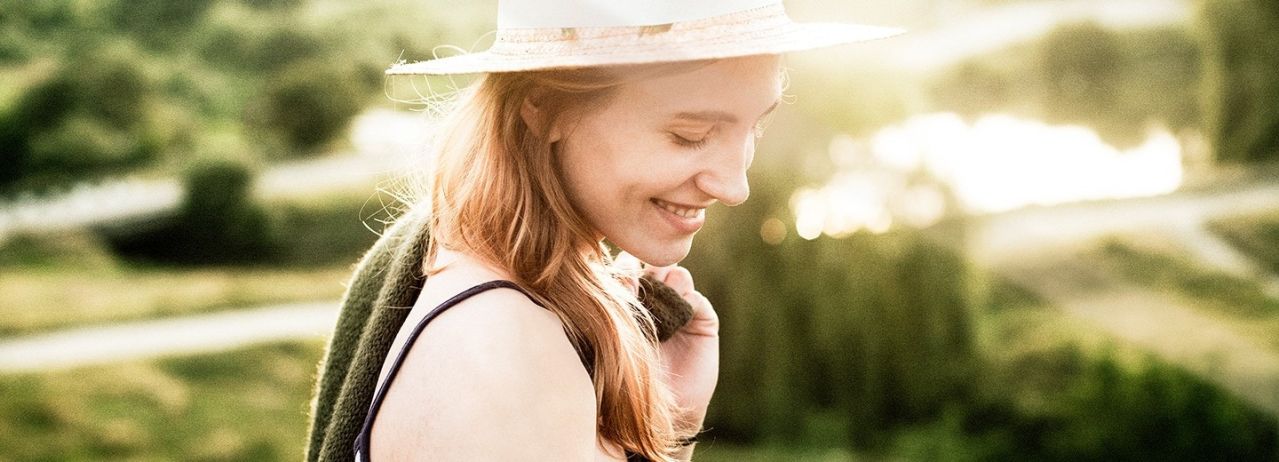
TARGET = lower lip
x,y
681,224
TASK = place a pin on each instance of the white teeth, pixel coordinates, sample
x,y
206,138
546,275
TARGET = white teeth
x,y
681,211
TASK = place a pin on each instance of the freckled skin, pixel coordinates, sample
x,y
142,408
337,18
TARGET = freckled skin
x,y
619,157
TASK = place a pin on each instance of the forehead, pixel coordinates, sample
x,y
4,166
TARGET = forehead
x,y
744,86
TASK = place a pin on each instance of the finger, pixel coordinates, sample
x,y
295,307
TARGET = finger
x,y
680,279
702,307
705,321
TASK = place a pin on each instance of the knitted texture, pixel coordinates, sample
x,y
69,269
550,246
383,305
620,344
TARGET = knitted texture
x,y
382,290
670,311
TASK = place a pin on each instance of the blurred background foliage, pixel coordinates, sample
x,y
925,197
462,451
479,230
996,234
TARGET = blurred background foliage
x,y
1117,82
894,344
1241,123
104,87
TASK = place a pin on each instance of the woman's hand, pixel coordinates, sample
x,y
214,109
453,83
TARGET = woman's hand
x,y
690,358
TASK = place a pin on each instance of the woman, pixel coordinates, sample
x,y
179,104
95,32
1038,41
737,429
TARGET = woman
x,y
596,122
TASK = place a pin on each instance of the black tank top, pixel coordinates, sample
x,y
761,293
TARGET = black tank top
x,y
362,440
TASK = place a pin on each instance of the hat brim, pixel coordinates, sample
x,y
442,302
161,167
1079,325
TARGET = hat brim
x,y
794,37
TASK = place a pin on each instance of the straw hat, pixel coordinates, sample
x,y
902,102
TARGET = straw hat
x,y
545,34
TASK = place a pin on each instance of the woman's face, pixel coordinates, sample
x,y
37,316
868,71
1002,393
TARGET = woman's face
x,y
645,165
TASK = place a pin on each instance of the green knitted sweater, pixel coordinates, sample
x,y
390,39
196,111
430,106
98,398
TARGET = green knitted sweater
x,y
386,282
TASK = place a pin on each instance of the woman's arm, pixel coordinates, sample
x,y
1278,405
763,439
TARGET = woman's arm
x,y
493,378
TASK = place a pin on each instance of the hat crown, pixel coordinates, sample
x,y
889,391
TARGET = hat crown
x,y
522,14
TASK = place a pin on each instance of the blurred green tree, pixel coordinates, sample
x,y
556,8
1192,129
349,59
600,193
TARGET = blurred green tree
x,y
1240,84
1117,82
218,221
310,103
1095,407
157,24
873,329
149,81
1081,66
82,121
273,4
261,48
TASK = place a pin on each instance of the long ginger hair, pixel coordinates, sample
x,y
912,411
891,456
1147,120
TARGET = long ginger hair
x,y
496,193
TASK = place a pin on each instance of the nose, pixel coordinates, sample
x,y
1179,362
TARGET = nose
x,y
724,177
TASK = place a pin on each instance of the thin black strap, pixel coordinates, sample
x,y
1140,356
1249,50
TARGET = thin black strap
x,y
362,440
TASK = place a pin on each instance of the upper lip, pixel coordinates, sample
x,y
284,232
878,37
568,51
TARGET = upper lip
x,y
683,206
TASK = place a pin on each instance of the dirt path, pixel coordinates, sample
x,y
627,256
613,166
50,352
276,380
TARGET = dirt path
x,y
1009,236
1199,341
167,337
1035,249
383,141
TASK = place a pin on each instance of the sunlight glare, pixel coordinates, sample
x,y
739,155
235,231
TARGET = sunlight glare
x,y
996,164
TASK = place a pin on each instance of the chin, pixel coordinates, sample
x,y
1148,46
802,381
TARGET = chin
x,y
662,255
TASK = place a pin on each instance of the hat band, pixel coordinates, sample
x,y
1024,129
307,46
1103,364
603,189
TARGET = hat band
x,y
746,22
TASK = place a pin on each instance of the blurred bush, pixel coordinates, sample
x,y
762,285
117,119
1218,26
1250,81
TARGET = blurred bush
x,y
309,104
157,25
1096,408
219,216
328,231
1080,69
1241,53
873,328
259,47
217,223
221,222
1256,236
87,119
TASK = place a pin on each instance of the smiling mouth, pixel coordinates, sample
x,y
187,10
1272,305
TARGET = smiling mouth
x,y
685,212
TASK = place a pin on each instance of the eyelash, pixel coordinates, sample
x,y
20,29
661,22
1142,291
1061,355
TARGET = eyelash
x,y
685,142
699,144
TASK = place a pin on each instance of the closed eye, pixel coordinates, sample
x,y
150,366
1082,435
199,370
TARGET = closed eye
x,y
692,144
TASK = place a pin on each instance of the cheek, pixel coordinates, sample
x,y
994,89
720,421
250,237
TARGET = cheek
x,y
594,178
615,169
617,172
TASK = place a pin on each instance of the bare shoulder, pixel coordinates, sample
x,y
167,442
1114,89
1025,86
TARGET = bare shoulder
x,y
491,378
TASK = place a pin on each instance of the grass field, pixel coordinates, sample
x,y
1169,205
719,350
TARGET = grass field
x,y
247,405
1254,235
1167,270
1237,301
33,300
251,403
60,280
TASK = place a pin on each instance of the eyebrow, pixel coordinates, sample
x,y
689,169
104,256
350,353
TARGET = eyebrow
x,y
719,116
